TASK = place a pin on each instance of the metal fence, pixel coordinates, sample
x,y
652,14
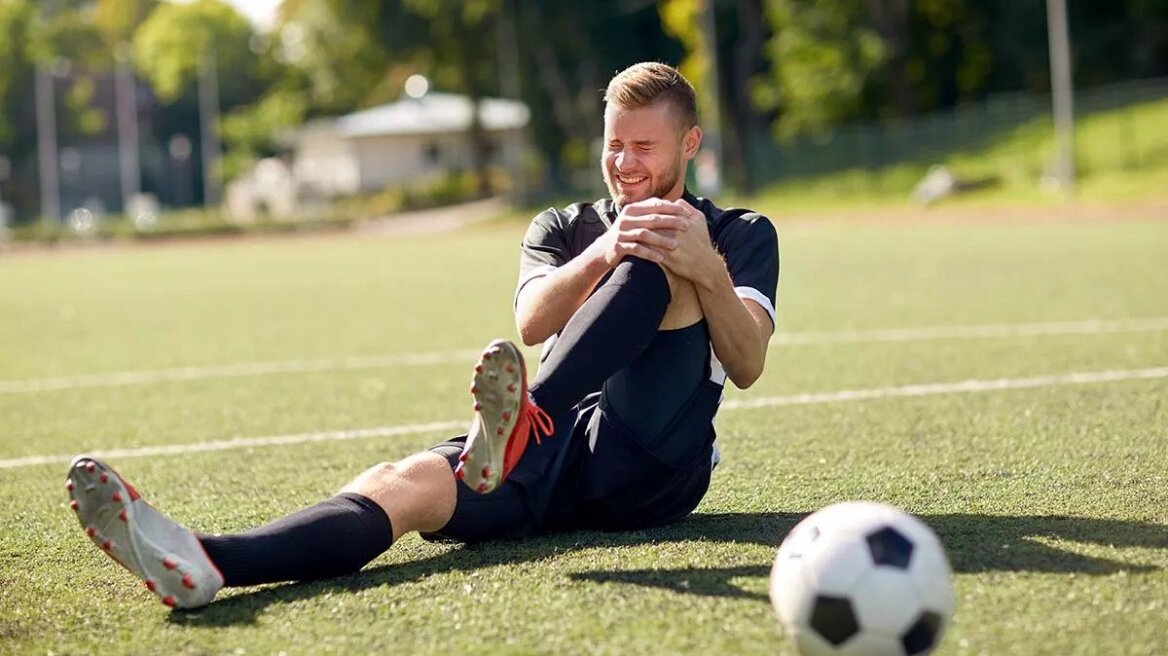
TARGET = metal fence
x,y
1007,135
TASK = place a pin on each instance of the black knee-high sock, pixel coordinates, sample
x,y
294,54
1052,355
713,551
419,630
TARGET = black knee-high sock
x,y
609,330
334,537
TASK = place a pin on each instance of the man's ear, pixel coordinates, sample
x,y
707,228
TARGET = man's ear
x,y
691,141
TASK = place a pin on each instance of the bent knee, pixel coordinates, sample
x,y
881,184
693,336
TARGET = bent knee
x,y
416,470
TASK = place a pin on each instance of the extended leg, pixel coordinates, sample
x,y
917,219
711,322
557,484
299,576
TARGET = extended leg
x,y
337,536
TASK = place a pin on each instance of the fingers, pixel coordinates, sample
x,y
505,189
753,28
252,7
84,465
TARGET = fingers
x,y
655,222
642,251
653,206
650,238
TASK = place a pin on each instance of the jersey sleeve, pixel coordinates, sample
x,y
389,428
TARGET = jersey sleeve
x,y
751,250
543,249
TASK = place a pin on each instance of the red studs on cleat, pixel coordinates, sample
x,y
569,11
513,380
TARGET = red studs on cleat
x,y
478,406
106,545
73,504
510,368
104,478
459,472
168,563
478,368
168,600
474,390
463,456
122,515
91,467
511,387
188,582
69,484
90,531
486,472
499,431
506,416
117,497
481,488
149,584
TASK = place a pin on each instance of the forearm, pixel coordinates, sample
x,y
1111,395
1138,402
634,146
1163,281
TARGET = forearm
x,y
739,336
546,304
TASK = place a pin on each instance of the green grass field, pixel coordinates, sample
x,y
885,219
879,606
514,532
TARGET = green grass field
x,y
1051,496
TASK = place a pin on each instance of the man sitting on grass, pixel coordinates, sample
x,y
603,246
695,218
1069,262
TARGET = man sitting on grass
x,y
648,301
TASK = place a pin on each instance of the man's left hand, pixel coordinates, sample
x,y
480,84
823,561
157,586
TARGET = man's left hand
x,y
694,258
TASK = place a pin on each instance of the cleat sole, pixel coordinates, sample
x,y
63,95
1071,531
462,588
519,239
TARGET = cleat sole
x,y
498,379
140,539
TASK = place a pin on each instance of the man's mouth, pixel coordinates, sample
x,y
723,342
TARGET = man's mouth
x,y
630,180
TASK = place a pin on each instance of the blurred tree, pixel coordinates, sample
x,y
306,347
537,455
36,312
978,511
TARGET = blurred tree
x,y
251,132
337,46
171,44
170,50
568,52
68,40
117,20
354,54
821,55
56,35
741,33
460,53
16,68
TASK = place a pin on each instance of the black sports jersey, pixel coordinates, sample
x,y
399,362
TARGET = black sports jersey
x,y
746,240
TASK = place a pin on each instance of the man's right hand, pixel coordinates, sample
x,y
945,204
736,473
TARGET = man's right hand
x,y
644,229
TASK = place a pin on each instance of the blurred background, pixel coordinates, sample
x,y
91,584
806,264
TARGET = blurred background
x,y
137,117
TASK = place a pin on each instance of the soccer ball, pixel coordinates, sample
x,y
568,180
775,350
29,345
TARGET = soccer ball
x,y
862,579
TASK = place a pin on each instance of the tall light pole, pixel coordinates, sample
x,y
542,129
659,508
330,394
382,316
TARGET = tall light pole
x,y
127,112
209,126
712,119
1062,94
507,37
46,121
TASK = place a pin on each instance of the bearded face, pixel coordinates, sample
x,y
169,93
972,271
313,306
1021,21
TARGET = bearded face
x,y
645,153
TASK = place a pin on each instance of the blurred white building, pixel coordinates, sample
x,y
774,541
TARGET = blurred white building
x,y
411,140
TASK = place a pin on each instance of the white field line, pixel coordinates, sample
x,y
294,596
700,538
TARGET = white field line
x,y
246,443
235,370
959,387
248,369
976,331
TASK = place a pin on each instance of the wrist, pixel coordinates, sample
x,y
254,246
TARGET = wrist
x,y
595,260
713,275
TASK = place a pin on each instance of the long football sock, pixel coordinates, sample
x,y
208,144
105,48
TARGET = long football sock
x,y
609,330
337,536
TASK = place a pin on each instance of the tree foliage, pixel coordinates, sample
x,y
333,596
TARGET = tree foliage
x,y
171,45
821,55
117,20
791,66
16,69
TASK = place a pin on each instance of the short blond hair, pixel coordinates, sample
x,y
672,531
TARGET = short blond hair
x,y
644,84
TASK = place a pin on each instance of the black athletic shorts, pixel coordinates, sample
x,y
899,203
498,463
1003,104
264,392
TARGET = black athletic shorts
x,y
602,474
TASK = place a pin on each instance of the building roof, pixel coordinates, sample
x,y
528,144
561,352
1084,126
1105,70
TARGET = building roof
x,y
433,113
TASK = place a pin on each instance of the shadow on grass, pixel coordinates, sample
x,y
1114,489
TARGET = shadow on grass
x,y
975,543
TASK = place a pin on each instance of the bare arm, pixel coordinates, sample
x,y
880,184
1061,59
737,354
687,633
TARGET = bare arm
x,y
740,329
544,305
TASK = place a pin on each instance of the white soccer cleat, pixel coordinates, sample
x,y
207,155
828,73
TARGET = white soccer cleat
x,y
505,419
167,556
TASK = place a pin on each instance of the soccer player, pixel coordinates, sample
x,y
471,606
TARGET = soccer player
x,y
646,302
